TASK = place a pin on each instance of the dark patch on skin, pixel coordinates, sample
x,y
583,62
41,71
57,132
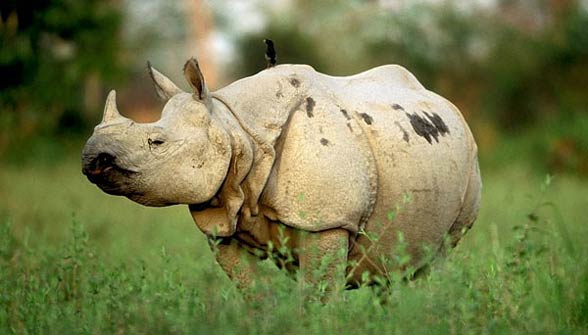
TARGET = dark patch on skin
x,y
324,141
367,118
429,129
349,126
405,136
295,82
345,114
438,122
423,128
310,106
397,107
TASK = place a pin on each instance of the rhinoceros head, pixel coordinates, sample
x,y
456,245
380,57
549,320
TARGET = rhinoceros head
x,y
181,159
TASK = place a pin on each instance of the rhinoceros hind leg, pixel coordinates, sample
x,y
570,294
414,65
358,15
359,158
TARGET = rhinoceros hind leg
x,y
469,211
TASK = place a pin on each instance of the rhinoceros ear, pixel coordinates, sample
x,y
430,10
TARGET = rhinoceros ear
x,y
195,79
164,87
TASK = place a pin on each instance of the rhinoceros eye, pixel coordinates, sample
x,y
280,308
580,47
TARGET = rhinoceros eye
x,y
155,142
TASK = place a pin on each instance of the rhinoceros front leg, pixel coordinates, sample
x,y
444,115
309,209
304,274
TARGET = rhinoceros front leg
x,y
323,259
240,266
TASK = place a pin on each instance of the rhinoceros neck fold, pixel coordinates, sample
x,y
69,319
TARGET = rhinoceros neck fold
x,y
220,105
221,219
263,123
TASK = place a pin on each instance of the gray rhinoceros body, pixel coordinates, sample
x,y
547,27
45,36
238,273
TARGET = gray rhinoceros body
x,y
354,161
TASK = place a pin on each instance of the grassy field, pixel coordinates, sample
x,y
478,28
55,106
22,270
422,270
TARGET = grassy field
x,y
75,260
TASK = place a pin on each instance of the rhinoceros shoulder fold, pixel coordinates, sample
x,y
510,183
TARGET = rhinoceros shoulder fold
x,y
262,104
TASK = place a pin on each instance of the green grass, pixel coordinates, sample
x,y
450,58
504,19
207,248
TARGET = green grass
x,y
75,260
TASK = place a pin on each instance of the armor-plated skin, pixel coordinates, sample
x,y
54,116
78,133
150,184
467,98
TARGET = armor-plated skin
x,y
353,161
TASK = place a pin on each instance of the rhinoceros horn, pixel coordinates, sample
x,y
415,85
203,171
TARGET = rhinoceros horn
x,y
110,111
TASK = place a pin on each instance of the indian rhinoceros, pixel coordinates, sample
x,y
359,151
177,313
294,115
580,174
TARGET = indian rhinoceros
x,y
359,163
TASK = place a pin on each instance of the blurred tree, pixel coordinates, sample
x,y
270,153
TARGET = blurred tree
x,y
537,75
439,44
54,54
291,46
200,37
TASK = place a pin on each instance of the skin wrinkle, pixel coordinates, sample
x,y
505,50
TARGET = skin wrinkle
x,y
397,107
310,103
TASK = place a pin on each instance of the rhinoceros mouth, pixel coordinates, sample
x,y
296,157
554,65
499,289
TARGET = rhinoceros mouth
x,y
108,175
113,180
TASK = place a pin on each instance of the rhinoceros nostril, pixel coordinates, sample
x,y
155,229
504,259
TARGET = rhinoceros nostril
x,y
105,158
100,164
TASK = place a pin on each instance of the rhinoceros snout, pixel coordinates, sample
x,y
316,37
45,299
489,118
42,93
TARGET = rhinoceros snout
x,y
95,166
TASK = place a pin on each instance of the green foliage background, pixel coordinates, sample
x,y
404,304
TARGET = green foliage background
x,y
48,50
74,260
